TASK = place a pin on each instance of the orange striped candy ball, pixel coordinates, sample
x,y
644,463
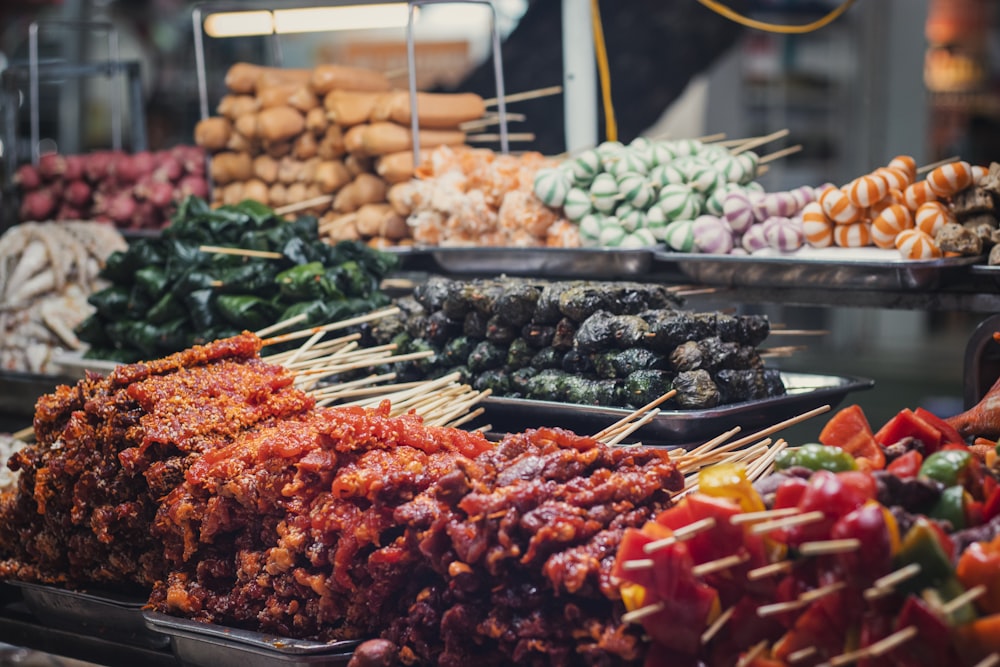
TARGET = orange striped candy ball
x,y
907,164
895,177
932,216
979,174
950,178
817,227
918,193
915,244
866,190
889,223
854,235
838,207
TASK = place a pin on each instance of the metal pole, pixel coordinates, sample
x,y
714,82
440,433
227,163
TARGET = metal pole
x,y
579,75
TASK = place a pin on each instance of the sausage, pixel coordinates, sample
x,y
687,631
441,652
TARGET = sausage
x,y
331,146
303,99
331,175
351,107
234,106
395,167
316,121
280,124
434,110
354,140
213,133
380,219
229,167
382,138
246,78
305,146
242,78
279,76
265,168
276,96
329,77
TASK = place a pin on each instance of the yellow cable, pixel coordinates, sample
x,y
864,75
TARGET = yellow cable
x,y
721,9
610,126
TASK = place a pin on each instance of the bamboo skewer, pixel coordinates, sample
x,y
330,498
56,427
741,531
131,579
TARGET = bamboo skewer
x,y
303,205
874,650
758,141
886,585
956,603
801,654
940,163
524,96
492,136
490,119
752,654
634,415
717,625
776,155
342,324
278,326
633,427
243,252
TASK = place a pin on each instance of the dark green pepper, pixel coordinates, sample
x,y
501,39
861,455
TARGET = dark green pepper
x,y
816,457
922,546
946,466
951,507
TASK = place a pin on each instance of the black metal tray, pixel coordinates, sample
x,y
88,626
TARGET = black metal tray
x,y
592,263
678,427
109,616
828,268
208,645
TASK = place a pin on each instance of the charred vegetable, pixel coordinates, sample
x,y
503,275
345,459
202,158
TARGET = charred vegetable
x,y
643,386
519,354
696,390
486,356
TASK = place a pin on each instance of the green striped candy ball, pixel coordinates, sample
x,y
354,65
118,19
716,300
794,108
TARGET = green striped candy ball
x,y
749,160
604,193
584,167
714,202
590,227
630,218
663,153
731,168
577,204
628,163
636,190
641,238
679,202
705,179
679,235
551,186
612,234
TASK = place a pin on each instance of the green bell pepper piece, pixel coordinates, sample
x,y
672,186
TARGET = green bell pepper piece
x,y
816,457
920,545
946,466
951,507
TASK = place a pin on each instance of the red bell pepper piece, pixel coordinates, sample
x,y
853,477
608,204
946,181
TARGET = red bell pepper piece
x,y
874,626
849,429
907,466
790,493
991,506
631,548
879,540
906,424
980,565
931,646
813,627
834,494
949,436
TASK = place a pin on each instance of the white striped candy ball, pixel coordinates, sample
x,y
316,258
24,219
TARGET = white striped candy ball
x,y
738,211
739,250
585,167
714,202
637,191
705,179
640,144
889,223
679,202
712,235
640,238
662,153
551,186
713,152
577,204
630,218
752,186
604,193
917,244
866,190
785,236
758,200
907,164
895,178
802,196
754,239
932,216
781,204
750,161
817,227
917,194
628,163
980,174
679,235
687,147
853,235
730,168
609,148
950,178
591,225
838,207
656,222
612,234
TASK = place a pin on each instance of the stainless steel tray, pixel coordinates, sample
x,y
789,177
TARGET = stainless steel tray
x,y
109,616
208,645
548,262
678,427
829,268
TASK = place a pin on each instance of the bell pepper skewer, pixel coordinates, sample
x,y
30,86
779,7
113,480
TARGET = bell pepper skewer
x,y
959,601
885,585
750,517
992,660
716,625
680,535
829,547
724,563
768,570
637,615
801,654
803,600
788,522
875,650
752,654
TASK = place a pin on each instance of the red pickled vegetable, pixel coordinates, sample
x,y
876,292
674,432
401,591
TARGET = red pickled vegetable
x,y
27,177
77,193
160,194
51,166
121,207
192,186
38,205
169,170
75,168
